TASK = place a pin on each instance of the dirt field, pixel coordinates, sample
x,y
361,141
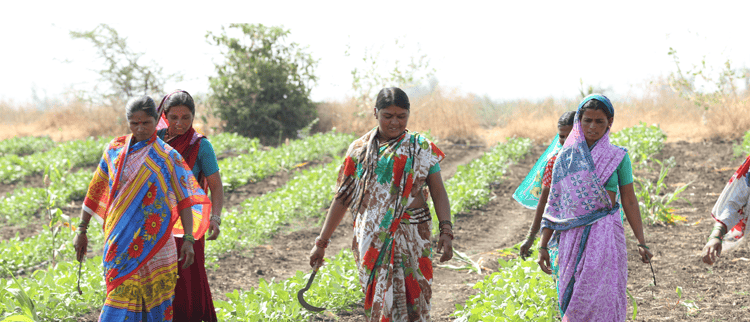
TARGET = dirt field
x,y
719,292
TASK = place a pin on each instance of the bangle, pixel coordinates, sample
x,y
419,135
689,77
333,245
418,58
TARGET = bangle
x,y
81,231
84,225
643,245
216,218
448,232
444,222
322,243
189,237
717,237
544,247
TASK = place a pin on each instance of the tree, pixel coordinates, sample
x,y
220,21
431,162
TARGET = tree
x,y
703,86
262,88
377,73
123,73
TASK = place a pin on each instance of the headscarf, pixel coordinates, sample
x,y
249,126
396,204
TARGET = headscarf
x,y
530,190
188,144
577,195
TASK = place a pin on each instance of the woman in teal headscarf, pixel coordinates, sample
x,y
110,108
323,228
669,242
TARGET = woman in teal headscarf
x,y
582,218
532,193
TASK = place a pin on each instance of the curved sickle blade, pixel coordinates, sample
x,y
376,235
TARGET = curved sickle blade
x,y
301,293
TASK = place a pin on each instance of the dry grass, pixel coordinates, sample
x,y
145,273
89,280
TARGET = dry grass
x,y
75,120
658,104
451,117
448,115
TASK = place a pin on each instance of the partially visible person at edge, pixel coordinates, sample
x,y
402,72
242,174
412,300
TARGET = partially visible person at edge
x,y
382,184
140,189
193,301
729,211
582,218
534,190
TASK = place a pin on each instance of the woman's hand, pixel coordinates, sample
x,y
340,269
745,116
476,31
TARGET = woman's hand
x,y
526,248
543,261
187,254
81,243
712,251
214,230
445,246
317,254
645,254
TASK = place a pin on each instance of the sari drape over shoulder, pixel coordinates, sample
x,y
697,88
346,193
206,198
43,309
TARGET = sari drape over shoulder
x,y
391,243
528,193
592,258
730,207
137,192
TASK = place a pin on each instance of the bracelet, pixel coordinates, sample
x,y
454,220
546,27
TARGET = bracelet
x,y
443,222
717,237
216,218
642,245
544,247
83,224
189,237
322,243
449,233
81,231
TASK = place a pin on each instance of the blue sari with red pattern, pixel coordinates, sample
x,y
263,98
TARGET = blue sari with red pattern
x,y
137,192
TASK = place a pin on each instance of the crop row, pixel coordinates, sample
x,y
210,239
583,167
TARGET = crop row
x,y
64,187
51,294
63,156
258,217
470,185
519,291
43,152
228,142
21,145
336,287
258,164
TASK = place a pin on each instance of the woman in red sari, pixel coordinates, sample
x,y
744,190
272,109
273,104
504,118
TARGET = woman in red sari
x,y
193,300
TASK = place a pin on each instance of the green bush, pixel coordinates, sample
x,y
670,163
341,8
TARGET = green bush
x,y
519,291
642,141
743,149
262,87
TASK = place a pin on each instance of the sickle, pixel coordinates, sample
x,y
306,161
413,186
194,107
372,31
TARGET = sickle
x,y
301,293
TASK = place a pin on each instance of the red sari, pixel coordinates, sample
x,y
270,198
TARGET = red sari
x,y
192,301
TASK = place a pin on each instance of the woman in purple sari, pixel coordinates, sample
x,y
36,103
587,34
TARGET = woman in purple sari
x,y
582,218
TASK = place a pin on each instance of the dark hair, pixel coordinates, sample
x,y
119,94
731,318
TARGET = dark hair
x,y
143,103
392,96
595,105
179,98
566,119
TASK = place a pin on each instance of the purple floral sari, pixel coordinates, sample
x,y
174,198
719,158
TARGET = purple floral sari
x,y
589,234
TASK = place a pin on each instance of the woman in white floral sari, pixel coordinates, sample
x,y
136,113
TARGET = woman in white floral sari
x,y
382,183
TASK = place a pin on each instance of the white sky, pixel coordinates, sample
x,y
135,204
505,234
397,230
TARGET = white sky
x,y
504,49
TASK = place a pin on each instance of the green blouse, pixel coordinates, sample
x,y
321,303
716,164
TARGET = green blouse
x,y
622,176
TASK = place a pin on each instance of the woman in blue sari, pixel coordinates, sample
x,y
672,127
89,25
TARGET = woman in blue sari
x,y
140,189
533,192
